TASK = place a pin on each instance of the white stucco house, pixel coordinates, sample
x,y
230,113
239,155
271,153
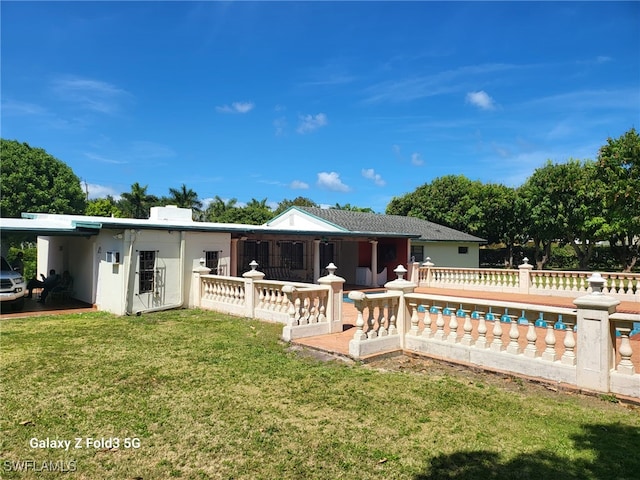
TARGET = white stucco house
x,y
129,266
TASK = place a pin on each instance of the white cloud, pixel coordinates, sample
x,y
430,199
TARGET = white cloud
x,y
369,173
309,123
331,181
481,100
90,94
99,158
416,159
236,107
299,185
101,191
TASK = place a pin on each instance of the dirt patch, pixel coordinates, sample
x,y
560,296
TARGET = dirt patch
x,y
473,375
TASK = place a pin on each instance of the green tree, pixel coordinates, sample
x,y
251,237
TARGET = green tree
x,y
563,206
618,174
452,201
185,198
221,211
34,181
502,218
137,202
103,207
297,202
256,212
352,208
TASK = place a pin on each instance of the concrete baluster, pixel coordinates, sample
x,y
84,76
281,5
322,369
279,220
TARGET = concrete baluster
x,y
358,298
569,355
439,335
467,327
426,331
549,353
382,320
530,350
481,341
453,327
496,343
415,319
514,335
393,328
626,365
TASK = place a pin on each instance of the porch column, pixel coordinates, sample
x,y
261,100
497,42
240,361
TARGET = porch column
x,y
316,260
233,262
374,263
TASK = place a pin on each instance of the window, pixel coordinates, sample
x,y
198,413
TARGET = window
x,y
292,255
417,253
327,254
146,271
258,251
463,250
211,261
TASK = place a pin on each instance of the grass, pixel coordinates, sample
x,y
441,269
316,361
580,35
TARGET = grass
x,y
213,397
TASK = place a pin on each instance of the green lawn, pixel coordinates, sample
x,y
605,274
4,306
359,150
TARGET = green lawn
x,y
210,396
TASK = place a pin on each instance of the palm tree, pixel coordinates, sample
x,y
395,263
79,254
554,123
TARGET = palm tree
x,y
185,198
218,210
137,202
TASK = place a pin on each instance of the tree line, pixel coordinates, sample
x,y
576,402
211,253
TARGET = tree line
x,y
576,203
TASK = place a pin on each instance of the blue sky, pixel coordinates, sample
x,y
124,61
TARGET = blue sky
x,y
340,102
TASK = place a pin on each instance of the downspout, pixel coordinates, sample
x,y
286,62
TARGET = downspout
x,y
127,272
180,302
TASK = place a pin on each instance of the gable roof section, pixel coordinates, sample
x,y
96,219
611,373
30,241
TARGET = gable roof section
x,y
372,223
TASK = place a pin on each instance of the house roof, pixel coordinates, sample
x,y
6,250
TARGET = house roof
x,y
302,221
372,223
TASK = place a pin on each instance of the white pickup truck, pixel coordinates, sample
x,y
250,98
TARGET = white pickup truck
x,y
12,287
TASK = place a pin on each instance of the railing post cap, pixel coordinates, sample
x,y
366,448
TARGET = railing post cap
x,y
400,271
332,277
201,268
525,264
428,262
253,272
400,283
596,282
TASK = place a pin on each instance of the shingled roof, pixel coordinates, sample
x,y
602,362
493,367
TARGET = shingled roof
x,y
371,223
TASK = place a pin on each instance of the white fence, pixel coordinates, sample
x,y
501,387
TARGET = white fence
x,y
305,309
588,347
623,286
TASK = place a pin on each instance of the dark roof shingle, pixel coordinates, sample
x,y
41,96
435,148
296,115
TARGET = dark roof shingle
x,y
378,223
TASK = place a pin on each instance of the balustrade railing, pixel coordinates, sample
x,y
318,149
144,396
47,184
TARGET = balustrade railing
x,y
224,294
305,309
623,286
589,346
376,327
496,335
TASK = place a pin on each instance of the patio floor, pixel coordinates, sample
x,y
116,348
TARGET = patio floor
x,y
52,307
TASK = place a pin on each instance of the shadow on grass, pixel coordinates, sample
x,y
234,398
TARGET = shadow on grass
x,y
614,449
